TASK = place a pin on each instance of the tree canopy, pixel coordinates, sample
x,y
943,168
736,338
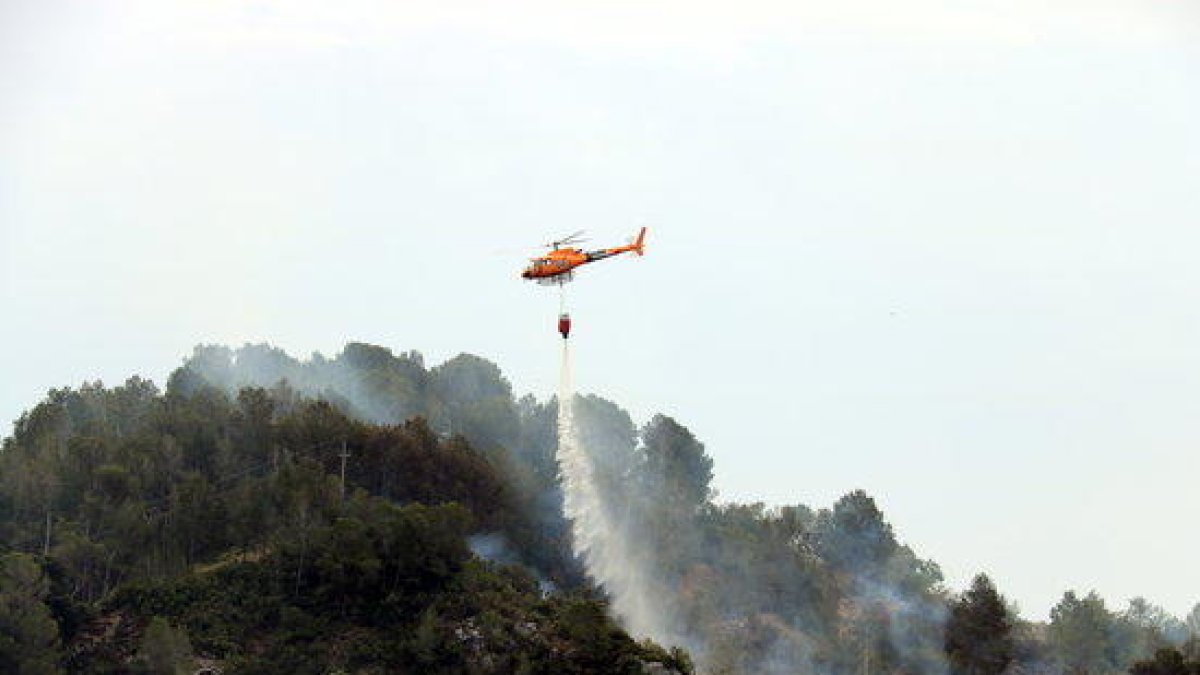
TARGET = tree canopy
x,y
275,515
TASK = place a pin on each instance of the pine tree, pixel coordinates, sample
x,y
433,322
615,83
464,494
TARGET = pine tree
x,y
1081,632
979,639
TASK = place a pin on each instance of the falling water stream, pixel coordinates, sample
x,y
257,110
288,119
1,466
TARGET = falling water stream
x,y
612,557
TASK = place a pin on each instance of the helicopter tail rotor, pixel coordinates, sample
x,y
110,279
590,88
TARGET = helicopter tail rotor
x,y
639,242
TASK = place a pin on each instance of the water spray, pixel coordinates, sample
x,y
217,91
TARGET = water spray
x,y
613,557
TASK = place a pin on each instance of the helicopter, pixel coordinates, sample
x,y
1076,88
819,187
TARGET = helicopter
x,y
558,266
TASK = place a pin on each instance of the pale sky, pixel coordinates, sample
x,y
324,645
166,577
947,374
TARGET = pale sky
x,y
944,253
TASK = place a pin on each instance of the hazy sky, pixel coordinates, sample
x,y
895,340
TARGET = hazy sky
x,y
944,251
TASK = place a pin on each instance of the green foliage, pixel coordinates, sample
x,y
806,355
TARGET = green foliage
x,y
29,640
979,639
1144,628
1081,630
854,536
479,618
677,467
1166,661
288,516
165,650
475,401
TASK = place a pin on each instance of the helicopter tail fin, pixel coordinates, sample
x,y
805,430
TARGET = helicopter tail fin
x,y
637,244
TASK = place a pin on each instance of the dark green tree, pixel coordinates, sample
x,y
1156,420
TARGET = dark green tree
x,y
979,632
1080,632
1166,661
29,640
677,462
854,536
165,650
474,400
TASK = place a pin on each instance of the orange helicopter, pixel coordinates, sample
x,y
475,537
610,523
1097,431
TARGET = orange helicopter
x,y
557,266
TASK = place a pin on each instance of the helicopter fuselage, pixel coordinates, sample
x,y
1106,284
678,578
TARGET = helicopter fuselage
x,y
559,262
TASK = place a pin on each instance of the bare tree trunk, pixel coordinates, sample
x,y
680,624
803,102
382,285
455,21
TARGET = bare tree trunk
x,y
300,564
107,568
46,544
303,550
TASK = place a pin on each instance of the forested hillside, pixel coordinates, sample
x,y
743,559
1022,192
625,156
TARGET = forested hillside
x,y
367,513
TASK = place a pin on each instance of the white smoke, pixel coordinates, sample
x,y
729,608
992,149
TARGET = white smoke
x,y
611,555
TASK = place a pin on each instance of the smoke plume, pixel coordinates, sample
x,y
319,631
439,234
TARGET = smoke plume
x,y
744,588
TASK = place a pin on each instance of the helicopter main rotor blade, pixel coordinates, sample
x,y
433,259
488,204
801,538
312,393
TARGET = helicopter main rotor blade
x,y
572,238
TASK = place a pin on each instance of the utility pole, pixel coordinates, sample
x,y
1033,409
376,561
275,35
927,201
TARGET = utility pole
x,y
345,455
